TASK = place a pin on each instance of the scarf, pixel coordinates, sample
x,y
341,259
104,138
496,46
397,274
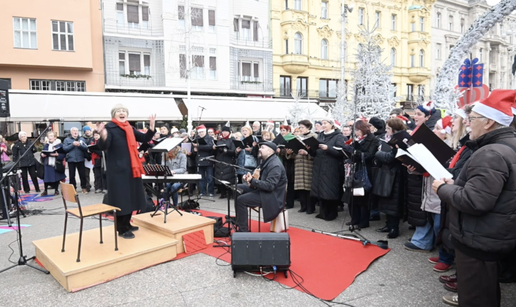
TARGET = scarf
x,y
136,165
455,158
51,146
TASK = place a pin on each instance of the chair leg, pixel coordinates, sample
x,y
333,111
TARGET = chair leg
x,y
80,240
64,232
249,219
116,237
284,220
100,225
259,219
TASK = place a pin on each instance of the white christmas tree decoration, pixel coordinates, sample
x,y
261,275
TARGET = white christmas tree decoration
x,y
445,96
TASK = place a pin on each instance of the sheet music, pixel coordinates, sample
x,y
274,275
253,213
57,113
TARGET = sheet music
x,y
187,146
429,162
167,145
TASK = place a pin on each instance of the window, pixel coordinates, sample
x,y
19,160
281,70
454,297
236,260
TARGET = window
x,y
197,67
25,33
328,88
62,35
135,67
412,60
255,31
8,80
422,24
286,46
182,66
286,4
236,27
57,85
361,16
302,87
324,49
438,48
462,25
250,71
410,92
298,43
213,68
246,29
197,19
393,57
393,22
134,63
297,5
121,63
211,20
285,86
377,19
450,22
393,94
181,16
137,15
120,19
412,26
146,64
438,20
421,58
324,9
421,92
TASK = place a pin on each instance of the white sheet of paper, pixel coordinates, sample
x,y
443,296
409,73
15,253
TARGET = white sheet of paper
x,y
429,162
187,146
167,145
88,164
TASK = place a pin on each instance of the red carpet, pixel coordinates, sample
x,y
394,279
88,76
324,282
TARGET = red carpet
x,y
327,264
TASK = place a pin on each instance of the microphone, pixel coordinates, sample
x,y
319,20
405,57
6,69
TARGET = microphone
x,y
206,158
202,107
56,120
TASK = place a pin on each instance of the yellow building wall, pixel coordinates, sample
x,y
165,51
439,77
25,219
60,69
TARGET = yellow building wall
x,y
285,23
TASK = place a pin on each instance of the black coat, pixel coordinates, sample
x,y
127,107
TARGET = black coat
x,y
272,186
415,216
19,149
205,151
125,192
328,169
368,146
225,154
395,203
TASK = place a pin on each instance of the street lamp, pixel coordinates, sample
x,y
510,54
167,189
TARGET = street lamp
x,y
344,14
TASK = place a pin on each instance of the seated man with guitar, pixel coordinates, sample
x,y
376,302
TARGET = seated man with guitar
x,y
265,190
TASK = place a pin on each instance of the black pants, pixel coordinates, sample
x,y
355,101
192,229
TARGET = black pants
x,y
87,176
329,209
123,223
72,166
393,222
52,185
291,194
307,202
100,179
477,280
359,211
249,198
32,171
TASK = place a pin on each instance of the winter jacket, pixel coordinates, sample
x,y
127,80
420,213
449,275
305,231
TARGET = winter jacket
x,y
415,216
19,149
178,164
204,151
303,168
431,202
482,207
75,153
225,154
328,169
368,147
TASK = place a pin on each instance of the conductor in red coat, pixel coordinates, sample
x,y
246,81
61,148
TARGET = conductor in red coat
x,y
123,167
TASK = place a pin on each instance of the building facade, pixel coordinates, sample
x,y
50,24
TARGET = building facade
x,y
496,49
307,39
220,47
53,45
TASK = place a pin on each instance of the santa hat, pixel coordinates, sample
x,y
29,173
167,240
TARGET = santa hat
x,y
211,129
498,106
513,108
329,120
427,108
403,119
337,124
460,112
445,123
270,123
201,128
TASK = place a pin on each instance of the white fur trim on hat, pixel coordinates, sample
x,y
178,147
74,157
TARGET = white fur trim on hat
x,y
461,113
492,113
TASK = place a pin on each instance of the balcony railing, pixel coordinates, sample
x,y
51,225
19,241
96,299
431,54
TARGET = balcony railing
x,y
115,79
239,40
251,86
132,30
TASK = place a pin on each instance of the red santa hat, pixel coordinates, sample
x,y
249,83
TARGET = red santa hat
x,y
513,108
498,106
270,122
445,123
461,113
211,129
337,124
427,108
201,128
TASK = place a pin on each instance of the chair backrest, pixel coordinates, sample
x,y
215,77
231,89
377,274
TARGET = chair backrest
x,y
68,193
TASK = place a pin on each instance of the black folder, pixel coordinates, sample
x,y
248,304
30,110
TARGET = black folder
x,y
239,144
93,147
441,151
58,150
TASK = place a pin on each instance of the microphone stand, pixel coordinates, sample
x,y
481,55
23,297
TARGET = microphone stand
x,y
23,259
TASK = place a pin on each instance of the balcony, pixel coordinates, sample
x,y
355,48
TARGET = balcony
x,y
418,74
293,15
134,29
252,86
493,67
117,80
295,63
238,39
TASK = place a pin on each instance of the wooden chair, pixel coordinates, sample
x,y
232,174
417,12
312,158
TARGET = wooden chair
x,y
257,209
70,195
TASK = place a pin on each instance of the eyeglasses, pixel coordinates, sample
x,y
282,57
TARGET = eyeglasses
x,y
474,117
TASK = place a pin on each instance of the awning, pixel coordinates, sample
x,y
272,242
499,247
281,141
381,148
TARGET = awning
x,y
33,106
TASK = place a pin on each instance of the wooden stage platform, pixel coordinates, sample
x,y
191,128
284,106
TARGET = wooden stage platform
x,y
155,243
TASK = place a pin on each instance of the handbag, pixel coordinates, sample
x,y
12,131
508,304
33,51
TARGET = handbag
x,y
250,161
59,166
361,177
383,181
349,174
40,170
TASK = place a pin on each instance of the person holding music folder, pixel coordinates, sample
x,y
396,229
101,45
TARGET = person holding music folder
x,y
289,167
99,165
203,146
76,148
49,157
328,170
225,152
250,149
266,191
27,163
124,169
176,162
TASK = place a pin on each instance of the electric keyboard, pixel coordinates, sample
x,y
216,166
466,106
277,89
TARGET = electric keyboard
x,y
174,178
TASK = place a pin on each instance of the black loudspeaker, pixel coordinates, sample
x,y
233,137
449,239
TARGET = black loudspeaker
x,y
4,99
256,251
